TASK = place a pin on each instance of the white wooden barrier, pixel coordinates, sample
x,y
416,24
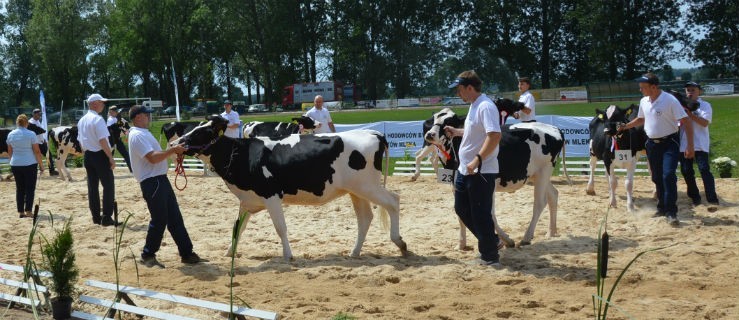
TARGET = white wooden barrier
x,y
26,292
188,163
582,168
125,292
408,168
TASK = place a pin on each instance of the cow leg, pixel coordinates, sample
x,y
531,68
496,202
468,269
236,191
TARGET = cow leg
x,y
420,155
552,202
502,236
542,180
61,163
463,236
591,177
274,206
612,185
363,209
243,219
390,203
629,184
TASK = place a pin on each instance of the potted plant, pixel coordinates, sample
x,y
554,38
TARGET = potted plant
x,y
58,258
724,166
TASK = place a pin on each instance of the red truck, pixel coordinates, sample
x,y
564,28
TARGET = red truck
x,y
296,94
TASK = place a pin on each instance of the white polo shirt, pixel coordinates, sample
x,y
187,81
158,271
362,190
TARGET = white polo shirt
x,y
528,100
140,143
92,128
661,115
482,119
233,118
701,138
40,137
322,116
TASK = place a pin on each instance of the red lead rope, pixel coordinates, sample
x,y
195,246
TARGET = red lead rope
x,y
179,169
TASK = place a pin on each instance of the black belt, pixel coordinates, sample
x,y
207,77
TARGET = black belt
x,y
99,151
665,138
150,179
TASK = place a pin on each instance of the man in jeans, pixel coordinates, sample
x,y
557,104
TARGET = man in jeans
x,y
149,164
474,184
700,119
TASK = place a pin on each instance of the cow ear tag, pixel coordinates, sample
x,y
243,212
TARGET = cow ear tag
x,y
600,116
220,133
628,112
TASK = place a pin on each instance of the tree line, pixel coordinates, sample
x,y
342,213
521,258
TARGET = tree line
x,y
391,48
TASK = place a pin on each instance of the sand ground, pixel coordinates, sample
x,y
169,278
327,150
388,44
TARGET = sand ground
x,y
695,278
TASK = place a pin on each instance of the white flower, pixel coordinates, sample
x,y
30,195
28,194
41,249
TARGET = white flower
x,y
724,163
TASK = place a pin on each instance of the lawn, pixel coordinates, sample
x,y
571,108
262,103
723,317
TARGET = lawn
x,y
725,119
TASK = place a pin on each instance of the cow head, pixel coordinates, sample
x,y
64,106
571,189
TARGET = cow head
x,y
615,116
36,129
507,107
441,119
306,123
203,136
684,101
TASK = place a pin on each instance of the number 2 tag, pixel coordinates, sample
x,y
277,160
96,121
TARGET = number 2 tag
x,y
622,156
445,176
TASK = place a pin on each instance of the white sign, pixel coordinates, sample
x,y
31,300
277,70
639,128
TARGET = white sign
x,y
445,176
573,95
622,156
719,88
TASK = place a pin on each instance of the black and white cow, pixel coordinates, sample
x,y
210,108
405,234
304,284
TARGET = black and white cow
x,y
506,107
528,152
4,143
605,141
276,130
175,129
116,130
262,173
66,144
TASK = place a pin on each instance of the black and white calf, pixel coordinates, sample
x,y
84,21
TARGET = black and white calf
x,y
506,107
276,130
528,152
606,142
263,174
174,130
66,144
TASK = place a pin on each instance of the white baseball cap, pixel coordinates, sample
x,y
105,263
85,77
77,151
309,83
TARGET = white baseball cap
x,y
95,97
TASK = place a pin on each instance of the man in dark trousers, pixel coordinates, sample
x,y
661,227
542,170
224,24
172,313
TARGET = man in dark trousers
x,y
99,164
43,144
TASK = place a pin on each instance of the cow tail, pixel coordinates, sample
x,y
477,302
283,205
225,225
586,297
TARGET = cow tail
x,y
387,162
564,161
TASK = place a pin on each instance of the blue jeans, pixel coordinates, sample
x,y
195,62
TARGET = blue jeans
x,y
165,213
686,168
25,186
99,172
473,202
663,158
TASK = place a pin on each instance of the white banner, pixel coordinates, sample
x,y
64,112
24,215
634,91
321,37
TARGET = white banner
x,y
573,95
575,129
719,88
44,124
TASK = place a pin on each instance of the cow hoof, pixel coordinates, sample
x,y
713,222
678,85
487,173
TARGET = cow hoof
x,y
524,243
414,178
463,247
590,192
552,235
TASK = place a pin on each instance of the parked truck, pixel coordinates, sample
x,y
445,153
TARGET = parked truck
x,y
296,94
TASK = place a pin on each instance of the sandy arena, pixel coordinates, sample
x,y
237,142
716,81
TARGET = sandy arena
x,y
551,279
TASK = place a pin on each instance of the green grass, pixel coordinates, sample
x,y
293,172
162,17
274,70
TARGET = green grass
x,y
725,119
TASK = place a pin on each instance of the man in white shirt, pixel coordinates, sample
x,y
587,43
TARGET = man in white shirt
x,y
150,170
232,129
701,118
43,144
528,112
660,113
99,164
115,119
321,114
474,184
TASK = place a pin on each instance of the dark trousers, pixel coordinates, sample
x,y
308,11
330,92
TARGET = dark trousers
x,y
473,202
165,212
709,185
99,172
44,147
663,158
124,153
25,186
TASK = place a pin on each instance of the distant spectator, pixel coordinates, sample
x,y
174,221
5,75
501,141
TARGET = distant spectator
x,y
528,112
232,129
321,114
114,118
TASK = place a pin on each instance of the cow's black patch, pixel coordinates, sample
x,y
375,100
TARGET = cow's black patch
x,y
553,145
377,161
514,154
357,161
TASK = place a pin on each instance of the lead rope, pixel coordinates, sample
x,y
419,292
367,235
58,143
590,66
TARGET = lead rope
x,y
179,169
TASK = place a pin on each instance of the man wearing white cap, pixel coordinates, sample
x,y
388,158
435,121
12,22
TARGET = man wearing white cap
x,y
93,136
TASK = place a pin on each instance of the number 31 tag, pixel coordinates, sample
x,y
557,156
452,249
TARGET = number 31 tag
x,y
445,176
622,156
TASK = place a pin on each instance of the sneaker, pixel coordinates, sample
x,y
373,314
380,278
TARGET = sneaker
x,y
673,221
192,258
659,214
151,261
108,221
29,214
714,202
21,215
696,201
53,173
495,264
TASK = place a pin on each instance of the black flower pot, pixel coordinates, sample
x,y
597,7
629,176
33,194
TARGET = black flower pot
x,y
61,308
725,174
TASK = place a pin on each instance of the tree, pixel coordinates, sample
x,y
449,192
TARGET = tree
x,y
22,73
686,76
718,23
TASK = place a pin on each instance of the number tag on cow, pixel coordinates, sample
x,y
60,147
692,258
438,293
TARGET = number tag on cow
x,y
445,176
622,156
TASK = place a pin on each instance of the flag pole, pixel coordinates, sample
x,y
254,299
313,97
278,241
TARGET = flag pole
x,y
176,94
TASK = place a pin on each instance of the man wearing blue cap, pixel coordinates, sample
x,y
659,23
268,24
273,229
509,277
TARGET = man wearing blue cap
x,y
149,164
659,113
474,184
700,119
